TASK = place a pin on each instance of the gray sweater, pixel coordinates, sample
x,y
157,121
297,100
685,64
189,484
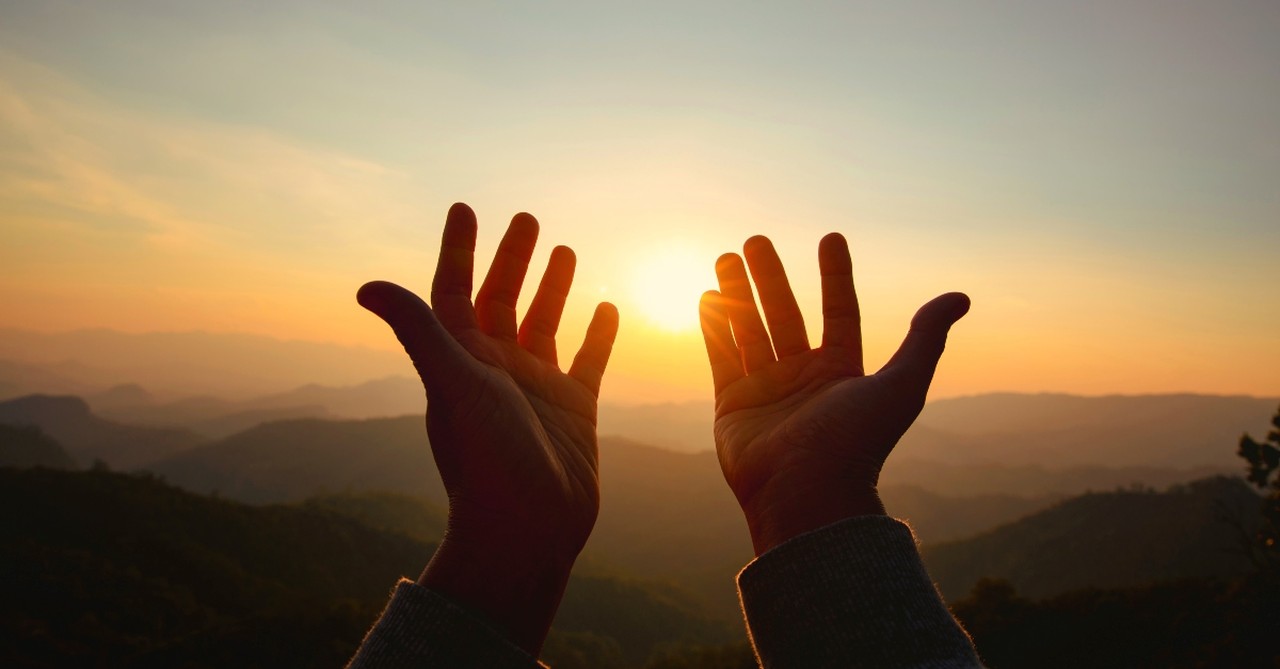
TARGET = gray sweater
x,y
851,594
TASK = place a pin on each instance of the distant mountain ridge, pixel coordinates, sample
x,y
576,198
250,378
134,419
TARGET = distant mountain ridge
x,y
1176,430
261,378
1106,454
87,437
176,364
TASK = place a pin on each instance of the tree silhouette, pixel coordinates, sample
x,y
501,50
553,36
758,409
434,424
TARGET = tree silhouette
x,y
1264,473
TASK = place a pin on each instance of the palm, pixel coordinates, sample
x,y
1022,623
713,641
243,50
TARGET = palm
x,y
791,420
524,443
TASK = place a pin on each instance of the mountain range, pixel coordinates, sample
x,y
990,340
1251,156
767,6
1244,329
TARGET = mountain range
x,y
178,364
218,384
88,437
664,514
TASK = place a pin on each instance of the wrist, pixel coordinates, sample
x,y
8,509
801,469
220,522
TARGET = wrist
x,y
515,588
776,516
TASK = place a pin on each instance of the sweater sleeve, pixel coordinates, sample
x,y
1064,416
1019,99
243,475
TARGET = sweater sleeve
x,y
422,629
851,594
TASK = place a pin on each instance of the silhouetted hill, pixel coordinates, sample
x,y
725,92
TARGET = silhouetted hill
x,y
1013,429
670,515
381,398
17,379
1034,480
937,518
676,426
87,437
1058,430
1114,539
216,418
294,459
208,416
174,364
106,569
26,446
124,395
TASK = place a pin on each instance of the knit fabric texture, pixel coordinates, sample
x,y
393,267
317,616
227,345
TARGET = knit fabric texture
x,y
421,628
851,594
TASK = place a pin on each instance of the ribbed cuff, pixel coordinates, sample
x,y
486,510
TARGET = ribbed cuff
x,y
851,594
421,628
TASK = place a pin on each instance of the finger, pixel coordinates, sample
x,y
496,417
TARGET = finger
x,y
917,357
754,348
841,318
786,324
437,356
451,288
538,331
726,366
588,366
496,301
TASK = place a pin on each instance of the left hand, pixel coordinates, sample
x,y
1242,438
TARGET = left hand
x,y
514,436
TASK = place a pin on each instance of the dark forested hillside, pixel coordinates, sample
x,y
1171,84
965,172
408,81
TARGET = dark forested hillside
x,y
27,446
1114,539
415,517
105,569
1186,624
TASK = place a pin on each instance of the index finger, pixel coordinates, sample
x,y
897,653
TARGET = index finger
x,y
588,366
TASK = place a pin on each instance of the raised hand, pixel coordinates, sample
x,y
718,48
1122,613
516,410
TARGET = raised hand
x,y
802,433
514,436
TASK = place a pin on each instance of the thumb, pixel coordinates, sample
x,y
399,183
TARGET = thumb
x,y
435,353
917,357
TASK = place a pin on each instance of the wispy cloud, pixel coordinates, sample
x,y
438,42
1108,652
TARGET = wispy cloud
x,y
180,181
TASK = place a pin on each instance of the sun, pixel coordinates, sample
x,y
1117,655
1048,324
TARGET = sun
x,y
667,283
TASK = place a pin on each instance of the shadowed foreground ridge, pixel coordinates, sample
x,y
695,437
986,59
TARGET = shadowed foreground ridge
x,y
125,571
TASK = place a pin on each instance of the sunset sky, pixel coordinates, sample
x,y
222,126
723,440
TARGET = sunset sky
x,y
1102,178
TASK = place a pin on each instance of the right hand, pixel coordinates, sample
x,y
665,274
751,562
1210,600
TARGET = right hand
x,y
802,433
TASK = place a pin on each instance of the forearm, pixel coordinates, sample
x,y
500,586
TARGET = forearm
x,y
852,594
